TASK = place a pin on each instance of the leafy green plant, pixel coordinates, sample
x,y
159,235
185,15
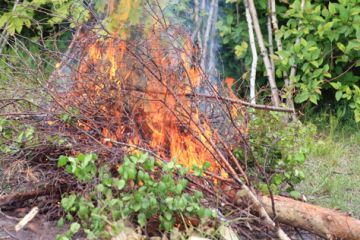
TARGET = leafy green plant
x,y
281,148
144,189
82,166
327,52
22,14
14,136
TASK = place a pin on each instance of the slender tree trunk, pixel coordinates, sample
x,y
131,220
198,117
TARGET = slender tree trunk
x,y
270,36
212,47
254,56
264,53
288,84
209,24
196,33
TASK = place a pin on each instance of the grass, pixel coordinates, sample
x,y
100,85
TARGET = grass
x,y
333,169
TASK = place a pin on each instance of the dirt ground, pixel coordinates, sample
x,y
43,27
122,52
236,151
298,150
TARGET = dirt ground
x,y
37,229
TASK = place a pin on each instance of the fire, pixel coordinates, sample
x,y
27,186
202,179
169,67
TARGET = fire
x,y
141,94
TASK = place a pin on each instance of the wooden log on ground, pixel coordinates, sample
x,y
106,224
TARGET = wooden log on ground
x,y
324,222
23,196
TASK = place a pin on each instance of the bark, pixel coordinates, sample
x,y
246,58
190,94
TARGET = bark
x,y
264,211
264,53
270,37
324,222
23,196
212,47
254,56
288,83
210,23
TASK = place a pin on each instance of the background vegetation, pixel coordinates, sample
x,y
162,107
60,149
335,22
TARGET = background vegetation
x,y
314,49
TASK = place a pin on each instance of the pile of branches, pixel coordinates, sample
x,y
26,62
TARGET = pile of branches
x,y
112,95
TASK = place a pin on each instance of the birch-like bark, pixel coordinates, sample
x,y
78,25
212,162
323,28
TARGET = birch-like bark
x,y
264,53
287,79
275,26
254,56
270,37
197,20
212,48
207,34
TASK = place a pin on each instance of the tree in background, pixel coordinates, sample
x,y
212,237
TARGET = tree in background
x,y
302,51
314,49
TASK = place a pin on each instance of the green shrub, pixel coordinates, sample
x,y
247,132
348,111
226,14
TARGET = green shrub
x,y
144,189
280,148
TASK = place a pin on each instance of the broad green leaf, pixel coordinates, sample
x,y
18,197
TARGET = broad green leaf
x,y
121,184
338,95
75,227
62,161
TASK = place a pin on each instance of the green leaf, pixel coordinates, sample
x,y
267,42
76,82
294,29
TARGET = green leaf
x,y
121,184
295,194
206,166
62,161
313,98
302,97
60,223
149,164
3,19
336,85
68,202
341,46
75,227
168,215
338,95
332,8
240,50
142,219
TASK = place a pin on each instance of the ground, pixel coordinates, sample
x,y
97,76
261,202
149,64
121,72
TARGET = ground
x,y
333,171
36,229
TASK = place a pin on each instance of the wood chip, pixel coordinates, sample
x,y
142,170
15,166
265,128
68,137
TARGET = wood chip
x,y
26,219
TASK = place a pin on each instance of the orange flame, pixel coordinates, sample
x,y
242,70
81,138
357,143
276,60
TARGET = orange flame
x,y
159,114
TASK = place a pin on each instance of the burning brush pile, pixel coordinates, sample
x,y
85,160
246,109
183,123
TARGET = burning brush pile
x,y
127,96
149,95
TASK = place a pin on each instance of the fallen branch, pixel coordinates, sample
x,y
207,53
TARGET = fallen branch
x,y
321,221
23,196
25,220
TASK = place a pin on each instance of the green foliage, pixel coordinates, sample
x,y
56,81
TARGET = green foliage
x,y
321,41
82,166
327,51
144,189
281,148
15,136
23,14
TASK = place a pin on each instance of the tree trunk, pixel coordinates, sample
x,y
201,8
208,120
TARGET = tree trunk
x,y
324,222
254,55
264,53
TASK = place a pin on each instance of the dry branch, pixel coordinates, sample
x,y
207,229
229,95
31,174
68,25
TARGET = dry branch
x,y
23,196
25,220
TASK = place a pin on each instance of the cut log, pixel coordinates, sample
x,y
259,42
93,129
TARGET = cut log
x,y
321,221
